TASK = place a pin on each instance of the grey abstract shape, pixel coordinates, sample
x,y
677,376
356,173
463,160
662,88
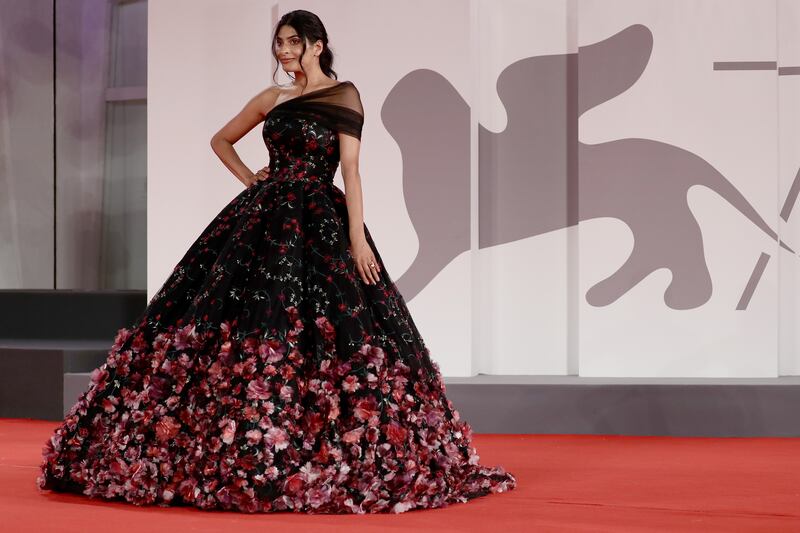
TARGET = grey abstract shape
x,y
752,283
645,184
535,176
745,65
757,65
791,198
433,135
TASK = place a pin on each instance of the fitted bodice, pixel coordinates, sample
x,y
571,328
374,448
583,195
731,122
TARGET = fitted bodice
x,y
302,134
297,143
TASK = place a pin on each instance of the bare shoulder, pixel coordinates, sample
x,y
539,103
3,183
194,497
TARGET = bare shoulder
x,y
279,93
270,95
282,88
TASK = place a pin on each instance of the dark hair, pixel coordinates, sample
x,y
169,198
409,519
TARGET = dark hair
x,y
310,28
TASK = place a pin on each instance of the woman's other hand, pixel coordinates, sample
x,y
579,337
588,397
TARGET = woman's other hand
x,y
365,261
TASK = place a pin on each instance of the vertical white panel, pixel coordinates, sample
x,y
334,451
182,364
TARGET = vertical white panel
x,y
788,15
523,301
712,132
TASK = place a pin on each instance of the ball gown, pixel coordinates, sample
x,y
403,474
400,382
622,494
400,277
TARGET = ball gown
x,y
265,375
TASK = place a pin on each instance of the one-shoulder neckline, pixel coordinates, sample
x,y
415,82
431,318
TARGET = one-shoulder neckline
x,y
305,94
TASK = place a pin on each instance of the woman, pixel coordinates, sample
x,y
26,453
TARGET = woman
x,y
278,367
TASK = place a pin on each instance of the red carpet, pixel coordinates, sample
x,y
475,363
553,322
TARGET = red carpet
x,y
565,483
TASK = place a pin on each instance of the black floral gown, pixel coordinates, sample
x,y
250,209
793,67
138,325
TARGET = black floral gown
x,y
265,375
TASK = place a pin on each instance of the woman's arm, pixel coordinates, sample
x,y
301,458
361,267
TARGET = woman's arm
x,y
349,148
249,117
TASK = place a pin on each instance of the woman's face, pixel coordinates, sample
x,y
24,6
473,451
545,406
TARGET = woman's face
x,y
289,46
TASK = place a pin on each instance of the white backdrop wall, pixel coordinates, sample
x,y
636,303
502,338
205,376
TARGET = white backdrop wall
x,y
557,187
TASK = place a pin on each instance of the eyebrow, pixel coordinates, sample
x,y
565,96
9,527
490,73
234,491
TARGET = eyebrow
x,y
289,37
